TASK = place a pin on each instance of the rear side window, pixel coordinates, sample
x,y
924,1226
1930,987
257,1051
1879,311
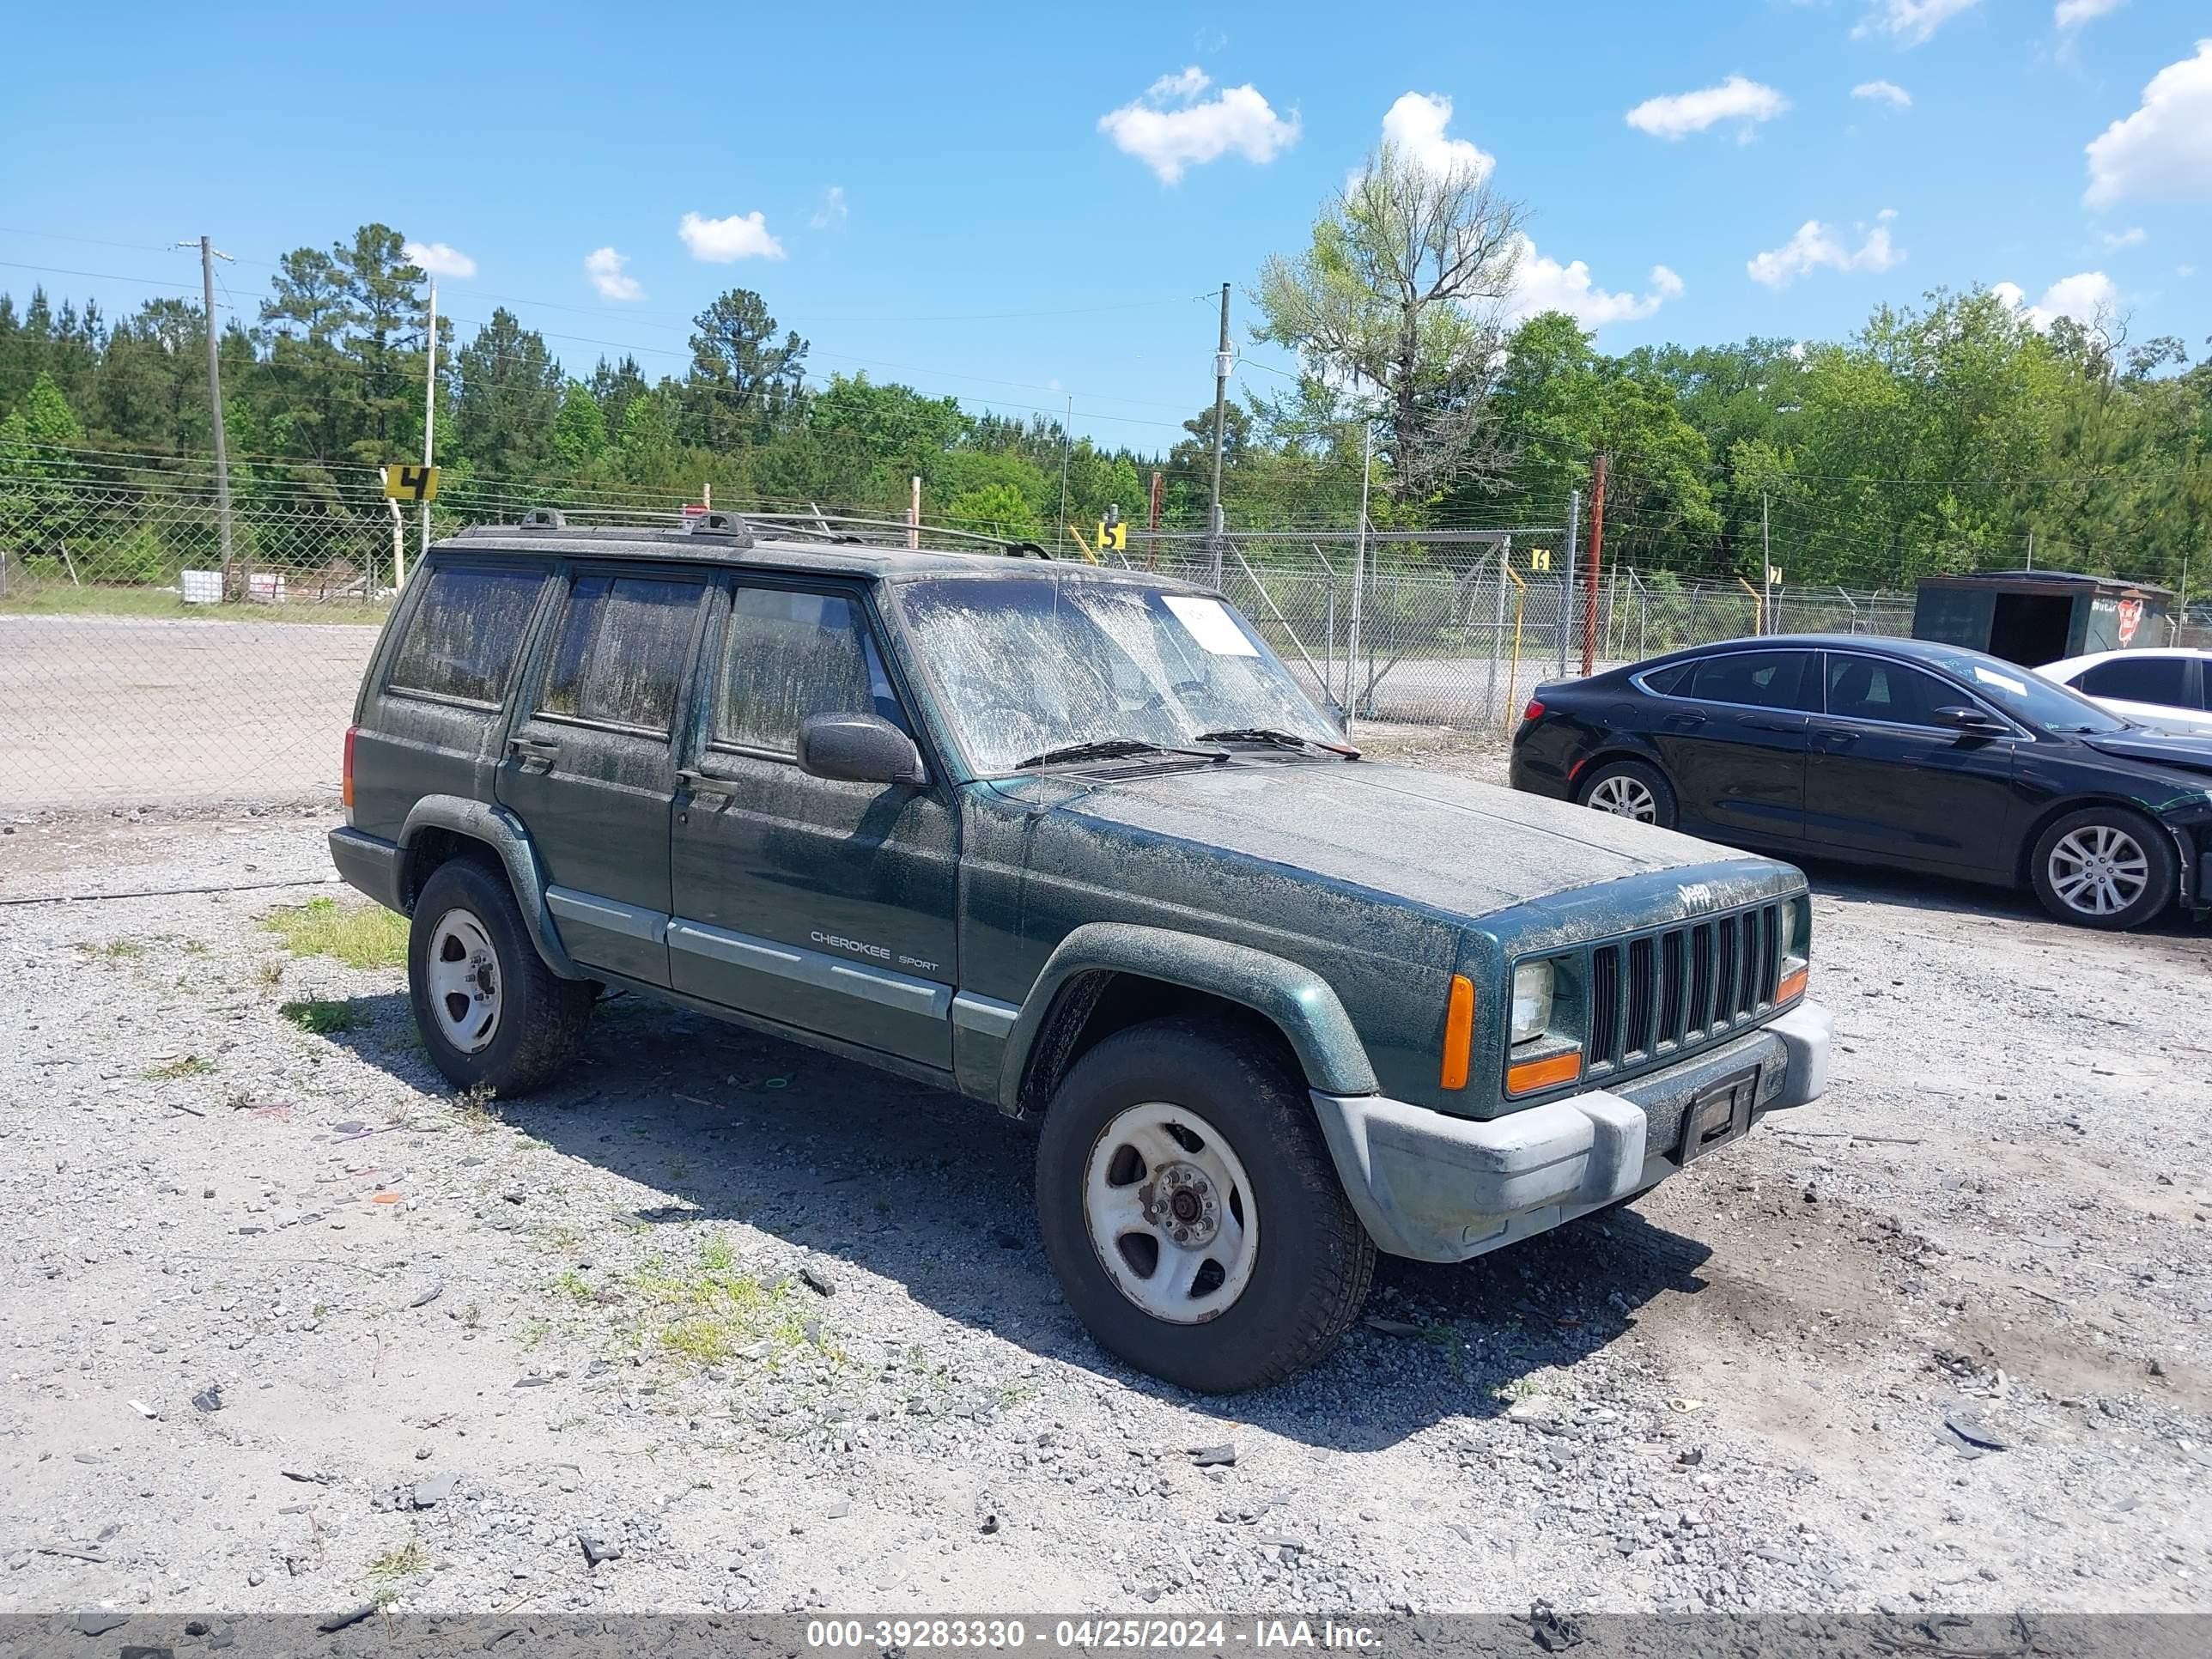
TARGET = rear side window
x,y
2140,679
465,632
619,659
793,654
1762,679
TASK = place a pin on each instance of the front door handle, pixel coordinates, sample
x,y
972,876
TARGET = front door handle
x,y
1832,741
1773,726
1689,722
532,749
704,783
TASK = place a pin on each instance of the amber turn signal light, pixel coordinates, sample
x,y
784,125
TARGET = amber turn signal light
x,y
1459,1033
1533,1074
1792,986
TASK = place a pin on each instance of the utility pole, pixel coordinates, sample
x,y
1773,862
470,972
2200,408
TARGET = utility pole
x,y
1567,573
1358,580
1067,438
2030,550
208,255
1596,559
1222,360
1766,562
429,422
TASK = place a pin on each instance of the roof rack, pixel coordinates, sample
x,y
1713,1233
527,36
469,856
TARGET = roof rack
x,y
837,527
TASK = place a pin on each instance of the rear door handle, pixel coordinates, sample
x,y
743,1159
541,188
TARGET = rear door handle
x,y
531,749
1832,740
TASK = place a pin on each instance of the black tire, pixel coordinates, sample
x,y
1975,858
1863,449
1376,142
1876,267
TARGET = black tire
x,y
539,1017
1311,1262
1654,783
2068,838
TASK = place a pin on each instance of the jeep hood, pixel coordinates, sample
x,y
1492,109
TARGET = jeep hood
x,y
1449,843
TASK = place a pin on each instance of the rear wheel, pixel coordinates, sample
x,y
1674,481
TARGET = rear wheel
x,y
1192,1212
491,1014
2104,866
1630,789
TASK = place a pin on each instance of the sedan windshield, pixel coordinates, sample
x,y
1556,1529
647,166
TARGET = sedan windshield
x,y
2027,696
1033,669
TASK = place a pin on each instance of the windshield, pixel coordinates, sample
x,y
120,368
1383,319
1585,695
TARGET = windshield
x,y
2026,695
1031,666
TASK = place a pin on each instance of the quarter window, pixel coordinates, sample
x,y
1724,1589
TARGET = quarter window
x,y
620,656
2140,679
793,654
465,632
1868,688
1760,679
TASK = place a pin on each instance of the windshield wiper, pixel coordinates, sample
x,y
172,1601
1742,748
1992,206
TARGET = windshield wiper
x,y
1112,749
1280,739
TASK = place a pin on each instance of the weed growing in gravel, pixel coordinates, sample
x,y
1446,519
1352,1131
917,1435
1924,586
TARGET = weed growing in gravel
x,y
170,1070
359,935
404,1562
113,950
706,1311
321,1017
272,974
473,1106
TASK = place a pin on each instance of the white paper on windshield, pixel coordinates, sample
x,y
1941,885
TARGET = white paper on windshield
x,y
1211,625
2004,683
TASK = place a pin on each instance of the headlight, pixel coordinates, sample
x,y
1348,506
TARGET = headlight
x,y
1532,1001
1789,930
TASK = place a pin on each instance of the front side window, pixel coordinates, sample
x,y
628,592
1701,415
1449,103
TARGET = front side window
x,y
2026,695
619,659
465,632
1756,679
793,654
1868,689
1029,664
2140,679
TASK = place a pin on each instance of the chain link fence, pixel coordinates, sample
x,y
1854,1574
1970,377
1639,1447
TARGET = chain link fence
x,y
136,668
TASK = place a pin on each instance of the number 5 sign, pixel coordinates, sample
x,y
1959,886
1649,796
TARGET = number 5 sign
x,y
411,484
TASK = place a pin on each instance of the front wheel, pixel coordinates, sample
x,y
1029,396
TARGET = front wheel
x,y
2104,866
1192,1212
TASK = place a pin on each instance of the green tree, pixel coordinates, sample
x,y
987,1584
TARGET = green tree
x,y
579,440
998,509
647,452
742,378
1397,299
509,397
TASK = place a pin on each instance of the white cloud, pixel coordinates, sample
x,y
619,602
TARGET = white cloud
x,y
1679,114
1817,245
1540,285
2086,296
1414,126
2163,152
832,210
605,267
723,242
1170,128
2071,14
439,259
1888,92
2133,236
1908,22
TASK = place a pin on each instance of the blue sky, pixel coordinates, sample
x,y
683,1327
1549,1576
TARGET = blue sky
x,y
1016,203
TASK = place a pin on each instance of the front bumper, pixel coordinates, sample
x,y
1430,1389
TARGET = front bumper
x,y
1441,1188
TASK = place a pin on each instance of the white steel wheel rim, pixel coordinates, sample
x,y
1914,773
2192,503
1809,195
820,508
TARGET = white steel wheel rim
x,y
2098,870
466,985
1624,795
1170,1212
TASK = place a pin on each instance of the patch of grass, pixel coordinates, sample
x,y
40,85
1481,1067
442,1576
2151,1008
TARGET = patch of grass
x,y
56,599
572,1284
473,1106
272,974
321,1017
404,1562
705,1310
359,935
114,950
169,1070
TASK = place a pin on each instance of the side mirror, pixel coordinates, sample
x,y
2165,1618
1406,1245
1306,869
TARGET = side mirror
x,y
1974,722
857,748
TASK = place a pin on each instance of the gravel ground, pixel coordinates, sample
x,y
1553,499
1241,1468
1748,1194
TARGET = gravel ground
x,y
723,1323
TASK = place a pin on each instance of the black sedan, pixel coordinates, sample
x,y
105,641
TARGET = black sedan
x,y
1900,752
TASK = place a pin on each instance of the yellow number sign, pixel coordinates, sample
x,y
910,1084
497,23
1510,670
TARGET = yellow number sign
x,y
1540,558
411,484
1115,535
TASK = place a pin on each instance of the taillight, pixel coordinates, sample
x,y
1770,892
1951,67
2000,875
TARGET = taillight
x,y
1535,711
345,774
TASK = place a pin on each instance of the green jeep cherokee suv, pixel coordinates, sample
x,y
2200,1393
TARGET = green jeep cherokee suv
x,y
1071,841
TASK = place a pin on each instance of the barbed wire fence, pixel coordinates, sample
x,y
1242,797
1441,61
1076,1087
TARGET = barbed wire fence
x,y
135,670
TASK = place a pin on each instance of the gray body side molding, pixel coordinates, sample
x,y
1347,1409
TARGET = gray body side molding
x,y
1295,1000
500,831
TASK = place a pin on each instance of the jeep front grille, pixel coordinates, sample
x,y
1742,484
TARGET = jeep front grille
x,y
1654,996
